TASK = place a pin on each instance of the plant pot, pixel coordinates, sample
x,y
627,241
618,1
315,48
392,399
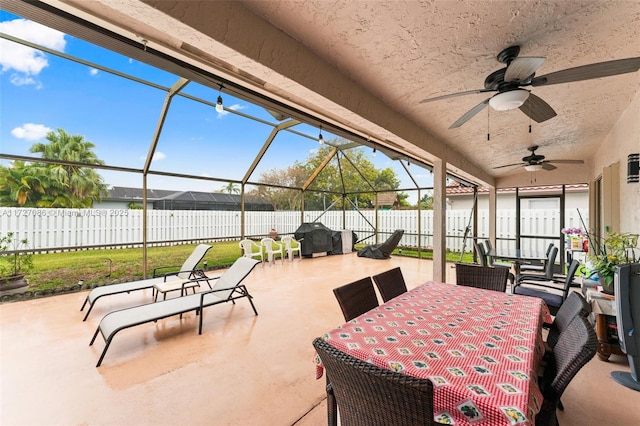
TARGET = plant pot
x,y
606,289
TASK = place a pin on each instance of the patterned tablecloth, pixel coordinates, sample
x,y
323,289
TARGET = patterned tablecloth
x,y
481,349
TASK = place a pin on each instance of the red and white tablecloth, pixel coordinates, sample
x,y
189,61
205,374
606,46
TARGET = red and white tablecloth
x,y
480,348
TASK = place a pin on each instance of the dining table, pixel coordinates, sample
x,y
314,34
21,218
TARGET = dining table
x,y
518,256
481,349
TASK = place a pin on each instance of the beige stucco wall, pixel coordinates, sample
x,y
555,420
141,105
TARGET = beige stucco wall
x,y
623,140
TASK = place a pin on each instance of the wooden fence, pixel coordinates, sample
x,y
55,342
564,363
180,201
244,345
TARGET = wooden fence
x,y
53,229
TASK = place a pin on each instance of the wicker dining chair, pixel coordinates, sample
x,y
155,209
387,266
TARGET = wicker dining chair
x,y
574,304
390,283
485,277
368,395
481,253
576,346
356,298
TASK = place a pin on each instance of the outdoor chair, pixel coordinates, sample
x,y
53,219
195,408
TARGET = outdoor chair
x,y
273,249
356,298
170,281
493,262
390,283
485,277
228,288
547,275
575,304
384,250
481,253
576,346
534,267
288,242
369,395
550,291
251,249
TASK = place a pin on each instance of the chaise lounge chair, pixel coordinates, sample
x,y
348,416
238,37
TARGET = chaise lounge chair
x,y
382,251
166,282
228,288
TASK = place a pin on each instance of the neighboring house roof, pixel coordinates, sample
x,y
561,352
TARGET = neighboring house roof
x,y
387,199
125,193
162,197
454,188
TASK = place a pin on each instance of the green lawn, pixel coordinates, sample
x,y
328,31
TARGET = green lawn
x,y
99,267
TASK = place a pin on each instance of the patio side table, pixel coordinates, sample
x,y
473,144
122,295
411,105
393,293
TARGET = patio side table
x,y
604,311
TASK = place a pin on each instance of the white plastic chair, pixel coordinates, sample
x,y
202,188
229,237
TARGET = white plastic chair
x,y
251,249
288,247
273,249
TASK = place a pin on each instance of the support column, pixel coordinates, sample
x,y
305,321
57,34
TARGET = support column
x,y
439,220
492,215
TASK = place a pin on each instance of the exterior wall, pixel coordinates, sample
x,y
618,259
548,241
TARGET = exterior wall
x,y
623,140
573,200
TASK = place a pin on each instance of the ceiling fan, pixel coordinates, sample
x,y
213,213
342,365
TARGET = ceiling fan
x,y
520,72
535,162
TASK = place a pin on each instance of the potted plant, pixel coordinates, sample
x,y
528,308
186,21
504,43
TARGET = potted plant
x,y
13,263
616,249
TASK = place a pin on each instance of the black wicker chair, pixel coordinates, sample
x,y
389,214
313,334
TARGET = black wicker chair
x,y
368,395
493,262
547,274
481,253
486,277
541,289
575,304
535,267
576,346
356,298
390,283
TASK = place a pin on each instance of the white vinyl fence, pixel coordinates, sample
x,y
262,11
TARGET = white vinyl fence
x,y
78,228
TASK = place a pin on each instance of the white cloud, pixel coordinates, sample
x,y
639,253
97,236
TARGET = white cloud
x,y
93,71
25,61
30,131
234,107
157,156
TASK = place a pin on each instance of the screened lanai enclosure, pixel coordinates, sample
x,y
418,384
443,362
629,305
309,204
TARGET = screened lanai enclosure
x,y
173,127
159,124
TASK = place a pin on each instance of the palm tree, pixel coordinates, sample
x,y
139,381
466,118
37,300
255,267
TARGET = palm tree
x,y
70,185
231,188
20,185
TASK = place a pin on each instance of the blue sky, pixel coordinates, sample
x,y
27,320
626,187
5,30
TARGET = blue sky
x,y
40,92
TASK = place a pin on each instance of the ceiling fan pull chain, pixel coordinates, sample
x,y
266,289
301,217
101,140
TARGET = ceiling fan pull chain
x,y
488,133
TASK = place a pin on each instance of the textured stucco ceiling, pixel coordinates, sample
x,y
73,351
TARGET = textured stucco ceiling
x,y
396,53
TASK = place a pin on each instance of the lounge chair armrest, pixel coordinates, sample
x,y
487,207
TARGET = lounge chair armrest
x,y
193,274
156,272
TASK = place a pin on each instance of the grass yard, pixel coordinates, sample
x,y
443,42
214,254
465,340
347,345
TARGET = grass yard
x,y
100,267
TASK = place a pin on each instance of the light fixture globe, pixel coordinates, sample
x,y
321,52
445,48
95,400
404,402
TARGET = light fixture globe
x,y
533,167
509,100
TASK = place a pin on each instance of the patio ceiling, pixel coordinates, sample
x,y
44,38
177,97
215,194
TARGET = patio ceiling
x,y
366,66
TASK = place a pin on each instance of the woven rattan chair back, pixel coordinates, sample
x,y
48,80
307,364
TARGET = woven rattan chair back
x,y
576,346
390,283
481,253
356,298
367,395
486,277
575,304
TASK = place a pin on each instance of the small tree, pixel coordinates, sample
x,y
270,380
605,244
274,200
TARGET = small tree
x,y
13,264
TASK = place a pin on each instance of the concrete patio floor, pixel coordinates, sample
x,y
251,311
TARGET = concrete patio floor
x,y
243,369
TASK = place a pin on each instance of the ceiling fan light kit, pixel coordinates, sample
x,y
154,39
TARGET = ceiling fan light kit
x,y
533,167
520,71
509,100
